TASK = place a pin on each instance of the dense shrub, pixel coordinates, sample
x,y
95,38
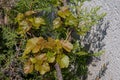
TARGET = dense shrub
x,y
41,40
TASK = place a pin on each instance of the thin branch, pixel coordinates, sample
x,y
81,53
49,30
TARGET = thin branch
x,y
59,74
68,35
64,2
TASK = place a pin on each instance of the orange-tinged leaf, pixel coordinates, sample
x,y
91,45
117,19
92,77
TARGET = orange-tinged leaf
x,y
34,44
28,67
67,45
28,13
50,43
39,45
31,43
57,23
41,58
36,49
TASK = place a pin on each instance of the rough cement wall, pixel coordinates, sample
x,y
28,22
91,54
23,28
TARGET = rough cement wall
x,y
112,41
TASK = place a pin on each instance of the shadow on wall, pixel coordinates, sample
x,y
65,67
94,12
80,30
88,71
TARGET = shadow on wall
x,y
93,42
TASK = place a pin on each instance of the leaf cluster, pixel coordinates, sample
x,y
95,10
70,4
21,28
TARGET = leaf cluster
x,y
45,30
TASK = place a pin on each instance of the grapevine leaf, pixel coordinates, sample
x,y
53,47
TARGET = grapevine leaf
x,y
24,26
63,60
33,60
28,67
36,48
38,44
37,22
51,57
32,45
19,17
67,45
44,68
41,58
64,12
28,13
58,44
37,66
50,44
57,23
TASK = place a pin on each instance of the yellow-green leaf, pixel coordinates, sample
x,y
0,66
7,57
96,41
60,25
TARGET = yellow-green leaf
x,y
71,20
41,58
64,12
63,61
31,46
37,66
58,44
67,45
57,23
23,27
19,17
34,44
33,60
41,42
51,57
50,43
36,48
37,22
28,13
28,67
44,68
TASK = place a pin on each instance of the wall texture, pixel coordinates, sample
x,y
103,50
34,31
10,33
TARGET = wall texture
x,y
112,41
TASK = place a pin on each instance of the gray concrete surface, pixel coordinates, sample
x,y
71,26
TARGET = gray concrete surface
x,y
112,41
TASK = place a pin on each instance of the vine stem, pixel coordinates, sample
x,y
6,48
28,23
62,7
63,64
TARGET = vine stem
x,y
64,2
59,74
68,35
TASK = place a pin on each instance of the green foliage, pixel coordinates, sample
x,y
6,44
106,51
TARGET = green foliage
x,y
43,30
7,50
25,5
8,42
9,36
